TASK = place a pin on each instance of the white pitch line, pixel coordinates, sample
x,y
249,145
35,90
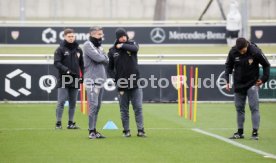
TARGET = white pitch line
x,y
168,128
264,154
30,129
24,129
153,128
221,128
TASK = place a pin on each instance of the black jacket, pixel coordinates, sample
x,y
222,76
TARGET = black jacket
x,y
123,63
246,67
68,57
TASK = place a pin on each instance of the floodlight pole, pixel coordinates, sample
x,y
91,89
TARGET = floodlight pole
x,y
245,16
22,10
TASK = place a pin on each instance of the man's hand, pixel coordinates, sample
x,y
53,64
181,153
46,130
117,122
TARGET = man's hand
x,y
228,87
101,48
69,72
118,46
259,82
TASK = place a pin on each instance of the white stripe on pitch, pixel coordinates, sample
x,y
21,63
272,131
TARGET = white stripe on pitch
x,y
161,128
188,128
265,154
26,129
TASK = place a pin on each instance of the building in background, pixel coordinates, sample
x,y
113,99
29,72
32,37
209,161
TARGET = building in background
x,y
88,10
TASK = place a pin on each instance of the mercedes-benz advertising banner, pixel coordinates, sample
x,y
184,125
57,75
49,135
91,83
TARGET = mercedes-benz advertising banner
x,y
37,82
143,35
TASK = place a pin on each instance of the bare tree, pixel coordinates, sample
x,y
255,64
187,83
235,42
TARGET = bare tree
x,y
160,10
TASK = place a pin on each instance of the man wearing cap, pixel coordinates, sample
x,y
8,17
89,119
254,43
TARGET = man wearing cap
x,y
123,67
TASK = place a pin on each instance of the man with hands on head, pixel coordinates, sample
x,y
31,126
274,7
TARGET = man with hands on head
x,y
123,67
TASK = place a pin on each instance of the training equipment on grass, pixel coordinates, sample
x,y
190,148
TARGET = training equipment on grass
x,y
83,98
179,90
196,90
182,87
110,125
66,103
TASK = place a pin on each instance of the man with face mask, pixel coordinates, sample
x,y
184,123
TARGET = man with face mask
x,y
244,59
68,60
123,67
95,60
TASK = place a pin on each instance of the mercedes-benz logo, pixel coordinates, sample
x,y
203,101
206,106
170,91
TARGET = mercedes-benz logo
x,y
157,35
221,84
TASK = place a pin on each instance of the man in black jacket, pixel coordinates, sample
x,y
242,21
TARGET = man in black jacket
x,y
123,67
245,58
69,62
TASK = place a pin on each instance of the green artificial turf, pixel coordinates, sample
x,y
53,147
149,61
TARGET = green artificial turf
x,y
27,134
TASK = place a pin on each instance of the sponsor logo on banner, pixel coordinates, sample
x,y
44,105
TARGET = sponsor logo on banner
x,y
49,36
47,83
25,91
221,84
158,35
207,35
259,34
176,80
15,34
80,36
131,34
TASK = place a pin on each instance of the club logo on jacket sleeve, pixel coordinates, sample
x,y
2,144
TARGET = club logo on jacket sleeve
x,y
250,61
66,53
78,54
116,55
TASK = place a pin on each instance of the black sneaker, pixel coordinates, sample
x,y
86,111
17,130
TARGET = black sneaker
x,y
141,133
72,125
99,135
95,135
255,136
237,136
126,133
92,135
58,125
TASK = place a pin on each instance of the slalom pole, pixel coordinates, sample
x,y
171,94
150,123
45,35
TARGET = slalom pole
x,y
185,92
82,90
178,89
84,99
195,97
181,89
81,97
86,105
191,91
